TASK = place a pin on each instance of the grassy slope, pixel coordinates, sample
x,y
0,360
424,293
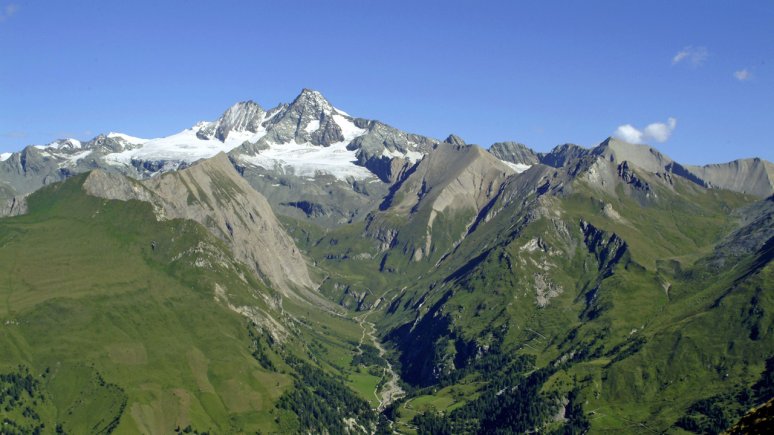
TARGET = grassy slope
x,y
85,295
121,325
682,226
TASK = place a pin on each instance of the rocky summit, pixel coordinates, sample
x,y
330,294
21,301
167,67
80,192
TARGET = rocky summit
x,y
298,269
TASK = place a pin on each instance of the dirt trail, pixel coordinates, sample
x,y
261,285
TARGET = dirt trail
x,y
391,390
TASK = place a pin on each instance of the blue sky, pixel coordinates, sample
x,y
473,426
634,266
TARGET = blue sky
x,y
542,73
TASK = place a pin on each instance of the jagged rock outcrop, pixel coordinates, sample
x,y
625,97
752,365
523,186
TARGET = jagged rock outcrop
x,y
387,151
514,152
30,169
453,139
628,176
309,118
212,193
608,248
244,116
561,155
14,206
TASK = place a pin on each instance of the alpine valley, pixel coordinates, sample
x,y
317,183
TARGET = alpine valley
x,y
302,270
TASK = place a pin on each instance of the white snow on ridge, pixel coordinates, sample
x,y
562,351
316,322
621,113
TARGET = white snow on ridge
x,y
59,144
341,112
4,156
518,167
131,139
184,147
307,160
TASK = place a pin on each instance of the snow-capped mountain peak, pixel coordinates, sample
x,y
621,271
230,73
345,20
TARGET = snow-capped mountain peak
x,y
312,101
310,118
307,137
125,137
62,144
245,116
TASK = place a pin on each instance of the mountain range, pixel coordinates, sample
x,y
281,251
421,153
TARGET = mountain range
x,y
299,269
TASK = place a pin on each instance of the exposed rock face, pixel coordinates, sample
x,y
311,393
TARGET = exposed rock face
x,y
641,156
452,177
34,167
111,185
609,249
629,177
244,116
456,180
29,170
561,155
453,139
753,176
514,152
640,166
309,118
545,290
332,202
14,206
387,151
212,193
328,198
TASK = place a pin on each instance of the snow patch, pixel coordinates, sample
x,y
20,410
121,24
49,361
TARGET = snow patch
x,y
183,147
307,160
348,128
518,167
5,156
73,159
313,125
412,156
391,154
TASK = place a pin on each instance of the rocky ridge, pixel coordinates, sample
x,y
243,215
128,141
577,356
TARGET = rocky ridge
x,y
212,193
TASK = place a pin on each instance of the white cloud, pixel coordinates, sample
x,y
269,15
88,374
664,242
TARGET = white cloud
x,y
743,75
8,11
693,55
657,131
628,133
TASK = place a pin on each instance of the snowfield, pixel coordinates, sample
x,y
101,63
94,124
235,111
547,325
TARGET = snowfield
x,y
307,160
301,159
183,147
